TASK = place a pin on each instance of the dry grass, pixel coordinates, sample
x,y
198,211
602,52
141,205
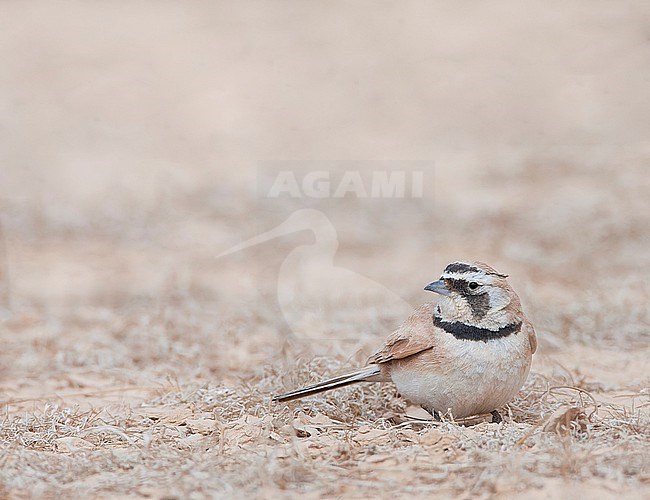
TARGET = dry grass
x,y
209,439
110,391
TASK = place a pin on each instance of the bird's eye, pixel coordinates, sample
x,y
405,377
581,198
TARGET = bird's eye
x,y
473,285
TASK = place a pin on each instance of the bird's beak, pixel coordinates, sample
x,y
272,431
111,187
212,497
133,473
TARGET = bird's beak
x,y
437,287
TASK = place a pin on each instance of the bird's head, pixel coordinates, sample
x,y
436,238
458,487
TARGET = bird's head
x,y
475,294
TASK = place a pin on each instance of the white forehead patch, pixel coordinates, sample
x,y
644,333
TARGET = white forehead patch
x,y
480,276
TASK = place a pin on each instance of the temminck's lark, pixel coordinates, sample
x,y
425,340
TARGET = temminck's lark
x,y
468,353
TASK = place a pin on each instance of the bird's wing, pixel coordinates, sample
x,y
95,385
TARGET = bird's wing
x,y
532,338
416,334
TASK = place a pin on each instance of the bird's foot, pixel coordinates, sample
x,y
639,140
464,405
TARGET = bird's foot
x,y
496,417
436,415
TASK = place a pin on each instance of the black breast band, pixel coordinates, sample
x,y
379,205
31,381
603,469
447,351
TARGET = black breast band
x,y
468,332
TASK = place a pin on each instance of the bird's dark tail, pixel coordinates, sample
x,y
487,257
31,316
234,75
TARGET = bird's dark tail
x,y
367,374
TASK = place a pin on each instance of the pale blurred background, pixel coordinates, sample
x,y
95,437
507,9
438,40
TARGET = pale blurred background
x,y
134,135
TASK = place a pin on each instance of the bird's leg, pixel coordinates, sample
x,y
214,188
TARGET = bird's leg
x,y
496,417
436,415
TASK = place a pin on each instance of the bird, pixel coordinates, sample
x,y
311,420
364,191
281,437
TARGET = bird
x,y
466,353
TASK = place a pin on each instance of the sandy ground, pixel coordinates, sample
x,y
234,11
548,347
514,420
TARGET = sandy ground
x,y
138,143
